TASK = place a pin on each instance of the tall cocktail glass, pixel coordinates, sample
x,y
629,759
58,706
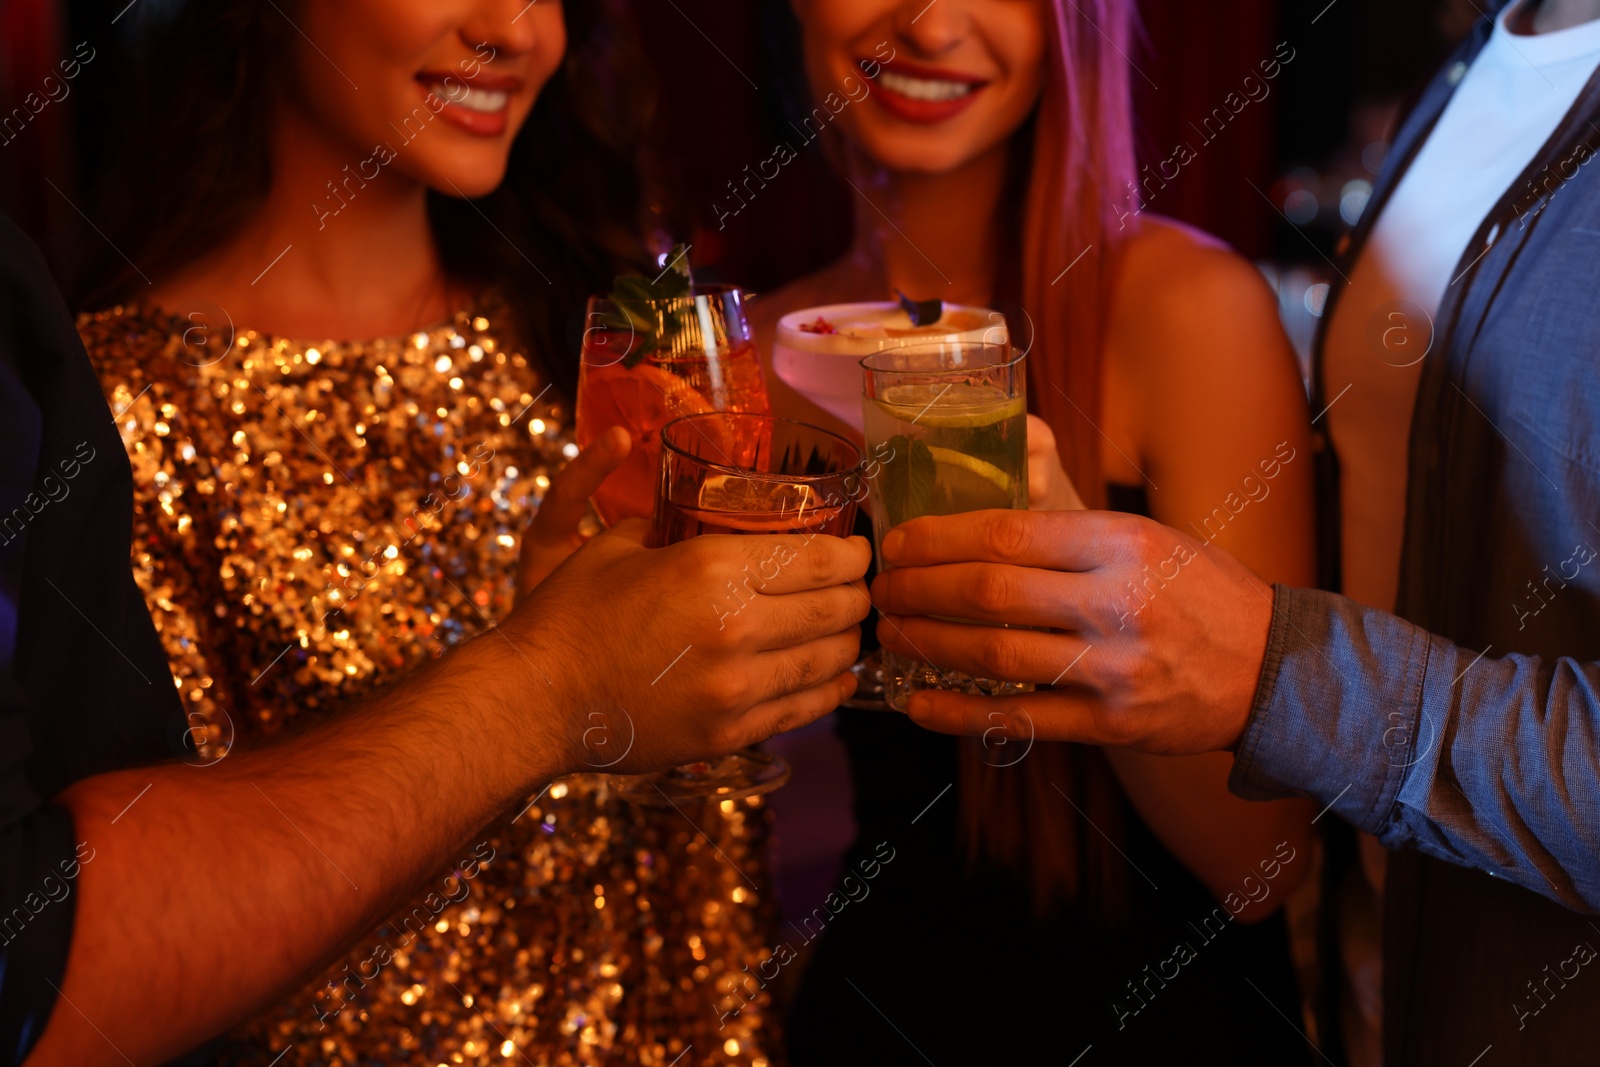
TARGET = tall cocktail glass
x,y
647,362
947,426
818,351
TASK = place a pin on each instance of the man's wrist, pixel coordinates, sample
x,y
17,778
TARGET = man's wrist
x,y
1252,728
1336,711
523,696
1244,710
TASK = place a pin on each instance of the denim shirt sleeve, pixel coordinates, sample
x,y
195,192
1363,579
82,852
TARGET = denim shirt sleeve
x,y
1486,763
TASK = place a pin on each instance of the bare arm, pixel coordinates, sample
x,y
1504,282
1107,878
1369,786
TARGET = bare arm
x,y
246,876
1203,390
242,878
1224,438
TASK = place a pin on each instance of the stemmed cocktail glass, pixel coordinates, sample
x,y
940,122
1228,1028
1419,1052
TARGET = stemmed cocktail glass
x,y
647,361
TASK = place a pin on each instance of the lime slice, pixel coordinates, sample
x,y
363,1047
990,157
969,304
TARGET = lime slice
x,y
950,457
948,407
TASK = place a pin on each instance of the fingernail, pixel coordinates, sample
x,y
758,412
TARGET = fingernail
x,y
892,543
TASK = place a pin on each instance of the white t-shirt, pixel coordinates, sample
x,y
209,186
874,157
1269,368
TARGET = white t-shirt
x,y
1507,104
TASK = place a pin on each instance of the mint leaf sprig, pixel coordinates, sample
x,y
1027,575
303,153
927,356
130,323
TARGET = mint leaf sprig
x,y
907,480
652,310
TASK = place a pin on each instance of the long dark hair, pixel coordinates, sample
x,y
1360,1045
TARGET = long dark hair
x,y
194,162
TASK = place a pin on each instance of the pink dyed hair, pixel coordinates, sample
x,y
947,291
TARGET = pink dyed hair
x,y
1080,177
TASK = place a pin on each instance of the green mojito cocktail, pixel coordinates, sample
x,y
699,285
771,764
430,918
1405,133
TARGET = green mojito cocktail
x,y
946,432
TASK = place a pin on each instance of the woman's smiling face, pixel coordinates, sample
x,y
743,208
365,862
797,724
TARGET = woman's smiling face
x,y
446,84
962,75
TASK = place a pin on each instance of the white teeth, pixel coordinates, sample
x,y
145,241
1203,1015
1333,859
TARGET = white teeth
x,y
487,100
931,89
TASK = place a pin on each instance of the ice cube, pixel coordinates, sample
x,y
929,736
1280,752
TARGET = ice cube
x,y
734,493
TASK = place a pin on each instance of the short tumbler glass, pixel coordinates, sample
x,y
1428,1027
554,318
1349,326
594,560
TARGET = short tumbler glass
x,y
725,472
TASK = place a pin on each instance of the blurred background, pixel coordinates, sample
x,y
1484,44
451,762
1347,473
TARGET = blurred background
x,y
1279,181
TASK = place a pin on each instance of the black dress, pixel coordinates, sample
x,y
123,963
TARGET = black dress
x,y
919,959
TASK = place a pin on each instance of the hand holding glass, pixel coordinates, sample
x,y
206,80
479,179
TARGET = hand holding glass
x,y
740,473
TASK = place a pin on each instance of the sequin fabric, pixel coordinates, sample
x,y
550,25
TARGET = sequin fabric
x,y
312,519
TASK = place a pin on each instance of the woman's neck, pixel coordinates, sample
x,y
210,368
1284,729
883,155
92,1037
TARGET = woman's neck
x,y
340,248
929,235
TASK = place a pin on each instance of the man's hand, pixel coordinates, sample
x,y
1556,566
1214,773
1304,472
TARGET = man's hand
x,y
1151,639
556,531
663,656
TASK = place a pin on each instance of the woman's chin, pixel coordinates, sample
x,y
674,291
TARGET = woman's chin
x,y
917,158
465,178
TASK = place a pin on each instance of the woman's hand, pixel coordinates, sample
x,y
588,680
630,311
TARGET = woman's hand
x,y
555,531
1049,488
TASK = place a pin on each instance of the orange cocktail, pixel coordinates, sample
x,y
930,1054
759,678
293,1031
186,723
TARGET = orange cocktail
x,y
647,361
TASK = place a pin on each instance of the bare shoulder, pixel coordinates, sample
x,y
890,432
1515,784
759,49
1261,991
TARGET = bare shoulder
x,y
1171,270
1178,292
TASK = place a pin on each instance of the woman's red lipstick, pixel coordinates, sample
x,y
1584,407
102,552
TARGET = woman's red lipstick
x,y
478,105
895,88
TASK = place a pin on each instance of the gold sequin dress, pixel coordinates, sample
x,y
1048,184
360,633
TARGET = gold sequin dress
x,y
313,519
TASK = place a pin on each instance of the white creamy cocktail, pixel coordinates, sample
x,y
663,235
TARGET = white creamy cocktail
x,y
818,350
